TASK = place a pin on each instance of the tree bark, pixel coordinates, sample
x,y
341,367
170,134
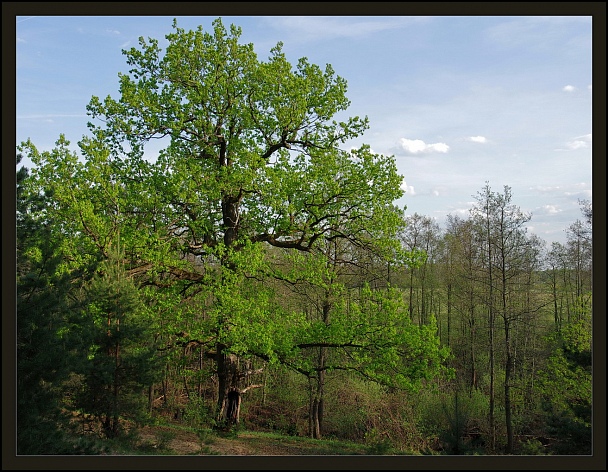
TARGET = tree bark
x,y
318,391
229,394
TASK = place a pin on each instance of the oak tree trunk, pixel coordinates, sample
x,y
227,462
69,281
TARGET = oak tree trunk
x,y
229,394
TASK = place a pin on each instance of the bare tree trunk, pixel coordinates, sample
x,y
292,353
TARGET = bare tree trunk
x,y
316,427
318,400
473,333
449,315
311,409
492,369
317,391
508,371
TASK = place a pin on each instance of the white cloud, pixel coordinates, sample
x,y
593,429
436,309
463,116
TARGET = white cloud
x,y
551,209
569,88
417,146
579,142
408,189
477,139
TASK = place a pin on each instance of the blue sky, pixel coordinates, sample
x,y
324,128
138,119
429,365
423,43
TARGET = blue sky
x,y
458,100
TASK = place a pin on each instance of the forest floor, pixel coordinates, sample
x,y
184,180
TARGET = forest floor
x,y
168,440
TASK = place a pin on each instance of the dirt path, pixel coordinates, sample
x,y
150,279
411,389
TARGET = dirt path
x,y
187,443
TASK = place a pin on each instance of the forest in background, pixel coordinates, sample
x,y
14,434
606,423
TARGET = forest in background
x,y
258,276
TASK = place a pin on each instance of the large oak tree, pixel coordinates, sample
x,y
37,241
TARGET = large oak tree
x,y
211,157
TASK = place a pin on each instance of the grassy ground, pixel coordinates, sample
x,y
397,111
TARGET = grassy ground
x,y
176,440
